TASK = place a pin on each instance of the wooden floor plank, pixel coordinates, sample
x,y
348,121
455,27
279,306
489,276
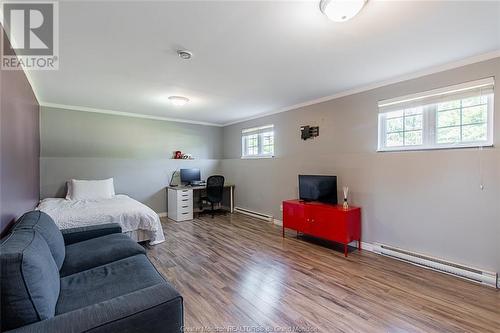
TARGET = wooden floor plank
x,y
238,271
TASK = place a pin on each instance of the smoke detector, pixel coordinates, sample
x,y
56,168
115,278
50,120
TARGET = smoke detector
x,y
184,54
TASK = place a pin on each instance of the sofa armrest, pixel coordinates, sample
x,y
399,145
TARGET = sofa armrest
x,y
158,308
79,234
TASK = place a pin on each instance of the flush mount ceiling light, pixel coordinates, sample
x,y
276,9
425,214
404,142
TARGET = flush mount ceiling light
x,y
178,100
185,54
341,10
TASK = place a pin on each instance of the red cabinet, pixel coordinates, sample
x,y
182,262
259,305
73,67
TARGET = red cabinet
x,y
331,222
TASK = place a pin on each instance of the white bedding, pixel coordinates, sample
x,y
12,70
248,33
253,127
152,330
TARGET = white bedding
x,y
129,213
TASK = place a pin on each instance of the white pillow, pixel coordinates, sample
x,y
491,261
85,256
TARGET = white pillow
x,y
90,189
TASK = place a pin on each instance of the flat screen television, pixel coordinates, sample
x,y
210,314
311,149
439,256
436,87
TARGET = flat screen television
x,y
318,188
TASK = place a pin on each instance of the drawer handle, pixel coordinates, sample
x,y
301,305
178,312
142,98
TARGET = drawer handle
x,y
185,206
185,199
185,213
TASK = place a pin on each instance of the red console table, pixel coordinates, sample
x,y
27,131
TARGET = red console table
x,y
331,222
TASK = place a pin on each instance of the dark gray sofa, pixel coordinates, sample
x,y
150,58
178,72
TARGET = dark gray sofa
x,y
90,279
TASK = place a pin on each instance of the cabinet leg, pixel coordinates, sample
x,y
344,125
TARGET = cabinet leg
x,y
345,250
359,245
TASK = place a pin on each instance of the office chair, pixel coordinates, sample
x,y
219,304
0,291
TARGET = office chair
x,y
215,188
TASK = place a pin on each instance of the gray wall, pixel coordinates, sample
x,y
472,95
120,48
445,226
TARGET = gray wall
x,y
426,201
135,151
19,146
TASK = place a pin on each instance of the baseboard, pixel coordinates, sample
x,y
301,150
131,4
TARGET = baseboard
x,y
255,214
441,265
163,214
277,222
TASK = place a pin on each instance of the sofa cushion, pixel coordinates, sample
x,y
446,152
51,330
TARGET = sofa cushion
x,y
106,282
98,251
44,224
29,279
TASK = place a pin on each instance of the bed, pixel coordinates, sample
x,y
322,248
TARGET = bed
x,y
137,220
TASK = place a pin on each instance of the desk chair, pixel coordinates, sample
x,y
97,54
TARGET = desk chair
x,y
215,188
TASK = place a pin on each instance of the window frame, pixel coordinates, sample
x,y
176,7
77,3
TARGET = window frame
x,y
259,132
429,121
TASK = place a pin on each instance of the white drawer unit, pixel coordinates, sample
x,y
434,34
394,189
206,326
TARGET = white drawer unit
x,y
180,204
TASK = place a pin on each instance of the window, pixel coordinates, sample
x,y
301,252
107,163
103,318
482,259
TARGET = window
x,y
456,116
257,142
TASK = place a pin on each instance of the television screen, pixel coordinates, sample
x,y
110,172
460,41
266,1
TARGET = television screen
x,y
318,188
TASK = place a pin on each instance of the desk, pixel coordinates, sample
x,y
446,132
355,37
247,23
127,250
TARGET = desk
x,y
181,201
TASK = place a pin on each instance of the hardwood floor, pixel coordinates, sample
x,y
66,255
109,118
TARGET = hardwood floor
x,y
237,274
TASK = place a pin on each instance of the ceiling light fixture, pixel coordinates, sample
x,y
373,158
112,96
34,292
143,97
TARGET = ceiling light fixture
x,y
185,54
341,10
178,100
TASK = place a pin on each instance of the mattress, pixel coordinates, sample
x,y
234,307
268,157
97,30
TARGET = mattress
x,y
134,217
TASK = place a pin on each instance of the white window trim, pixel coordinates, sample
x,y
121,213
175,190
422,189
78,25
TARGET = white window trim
x,y
259,131
429,118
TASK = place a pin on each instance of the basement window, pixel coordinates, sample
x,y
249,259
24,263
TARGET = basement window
x,y
452,117
257,142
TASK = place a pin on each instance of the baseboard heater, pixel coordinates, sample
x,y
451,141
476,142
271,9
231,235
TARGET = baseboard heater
x,y
443,266
258,215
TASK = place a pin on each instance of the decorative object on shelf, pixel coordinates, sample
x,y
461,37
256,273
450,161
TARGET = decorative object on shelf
x,y
178,155
308,132
345,189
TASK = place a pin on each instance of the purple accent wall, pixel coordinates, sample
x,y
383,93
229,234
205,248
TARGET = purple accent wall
x,y
19,146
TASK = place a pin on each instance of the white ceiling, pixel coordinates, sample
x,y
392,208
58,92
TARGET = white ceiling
x,y
250,58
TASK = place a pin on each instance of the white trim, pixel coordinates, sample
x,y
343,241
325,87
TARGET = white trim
x,y
256,129
397,79
124,114
470,85
163,214
252,213
256,157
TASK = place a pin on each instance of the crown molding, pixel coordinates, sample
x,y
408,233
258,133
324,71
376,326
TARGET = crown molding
x,y
397,79
125,114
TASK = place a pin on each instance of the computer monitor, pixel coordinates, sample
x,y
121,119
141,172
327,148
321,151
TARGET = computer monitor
x,y
190,175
